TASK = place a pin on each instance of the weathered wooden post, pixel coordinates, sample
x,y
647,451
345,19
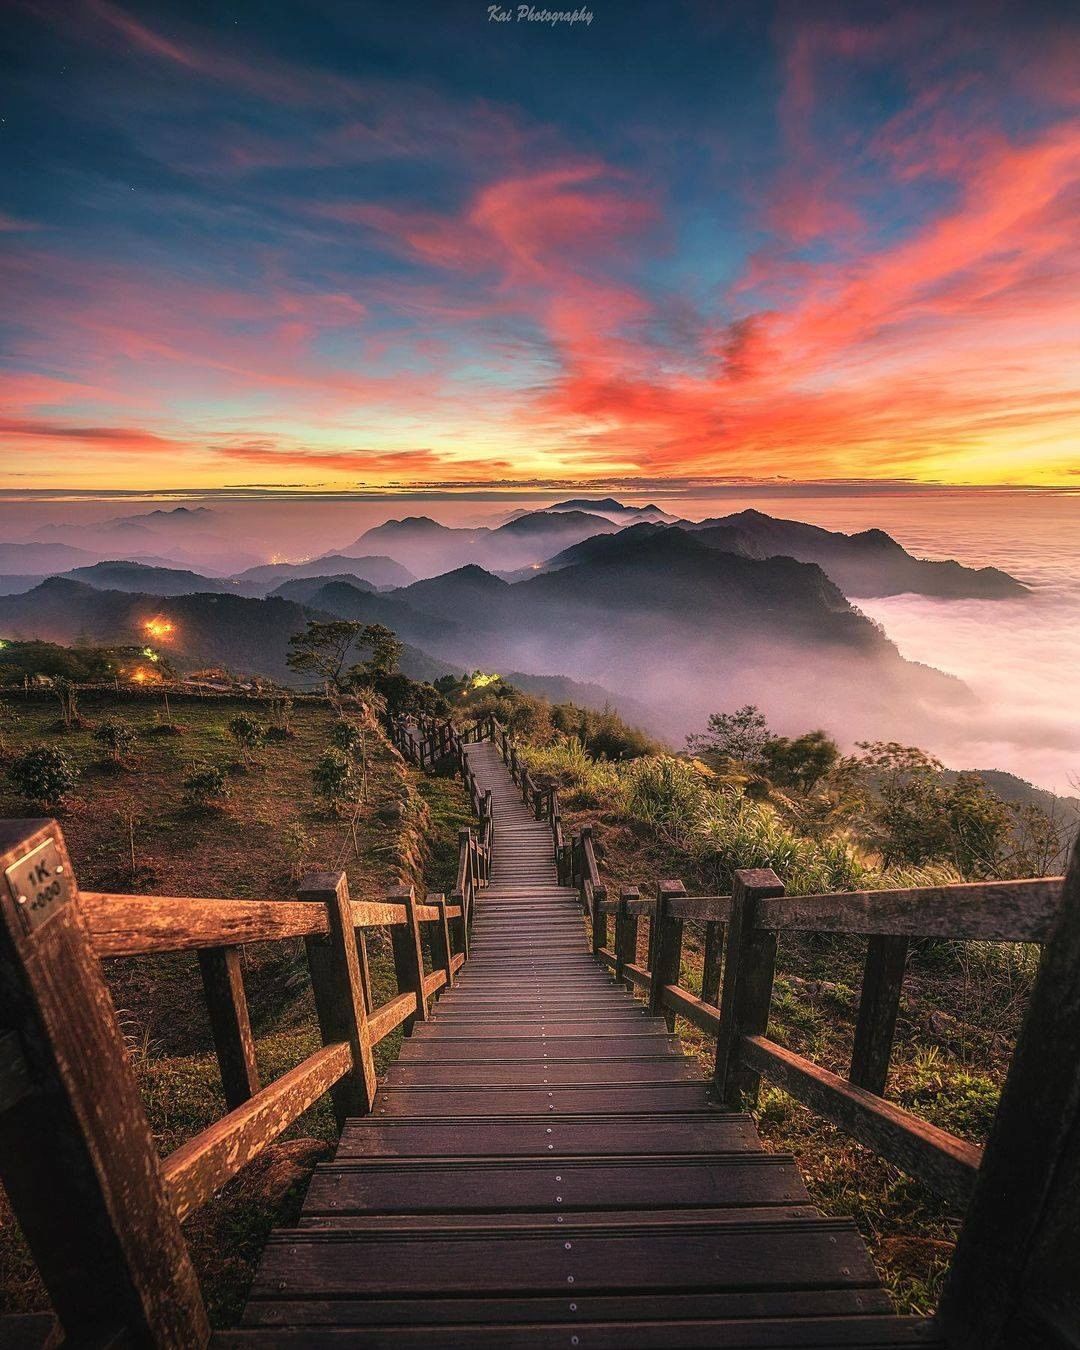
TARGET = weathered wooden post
x,y
77,1157
338,988
599,920
879,1006
748,981
667,948
409,955
226,1003
710,961
626,932
442,947
1014,1280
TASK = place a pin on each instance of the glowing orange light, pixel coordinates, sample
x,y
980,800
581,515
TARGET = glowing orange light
x,y
159,628
139,676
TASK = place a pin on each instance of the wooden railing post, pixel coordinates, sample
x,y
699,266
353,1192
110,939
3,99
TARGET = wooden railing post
x,y
710,962
1013,1282
442,947
77,1157
626,933
667,948
226,1004
339,992
879,1005
747,990
599,920
409,955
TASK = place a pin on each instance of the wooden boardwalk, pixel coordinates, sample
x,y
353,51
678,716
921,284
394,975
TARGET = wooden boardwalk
x,y
542,1168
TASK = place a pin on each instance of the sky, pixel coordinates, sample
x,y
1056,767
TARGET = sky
x,y
373,246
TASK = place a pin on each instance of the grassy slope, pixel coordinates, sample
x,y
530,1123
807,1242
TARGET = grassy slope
x,y
272,830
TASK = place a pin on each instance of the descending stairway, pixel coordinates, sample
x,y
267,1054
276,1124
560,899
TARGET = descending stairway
x,y
543,1169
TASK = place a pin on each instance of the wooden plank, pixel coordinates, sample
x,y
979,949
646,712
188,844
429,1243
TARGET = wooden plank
x,y
389,1016
819,1333
226,1005
946,1164
988,911
429,1073
1016,1258
703,1015
132,925
77,1159
802,1252
703,908
522,1100
526,1184
637,975
748,980
553,1221
879,1006
338,991
203,1165
683,1307
434,982
566,1136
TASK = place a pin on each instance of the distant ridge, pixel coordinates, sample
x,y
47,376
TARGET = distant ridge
x,y
870,563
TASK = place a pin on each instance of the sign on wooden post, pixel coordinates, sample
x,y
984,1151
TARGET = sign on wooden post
x,y
747,988
339,992
77,1157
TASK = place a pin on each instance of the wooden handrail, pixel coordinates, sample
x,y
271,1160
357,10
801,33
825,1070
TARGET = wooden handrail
x,y
122,1206
741,933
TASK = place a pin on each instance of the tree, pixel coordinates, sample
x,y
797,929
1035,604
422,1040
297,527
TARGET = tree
x,y
802,762
322,649
248,734
206,787
741,735
410,697
44,776
385,652
117,737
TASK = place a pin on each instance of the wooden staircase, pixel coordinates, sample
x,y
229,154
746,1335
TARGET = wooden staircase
x,y
542,1168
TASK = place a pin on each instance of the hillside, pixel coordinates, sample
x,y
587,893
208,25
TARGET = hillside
x,y
271,831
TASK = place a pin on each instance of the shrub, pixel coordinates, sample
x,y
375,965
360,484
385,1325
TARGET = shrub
x,y
346,737
334,778
667,793
117,737
582,782
206,787
248,734
44,776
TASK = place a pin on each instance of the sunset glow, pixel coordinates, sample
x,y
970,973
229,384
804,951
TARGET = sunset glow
x,y
411,248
